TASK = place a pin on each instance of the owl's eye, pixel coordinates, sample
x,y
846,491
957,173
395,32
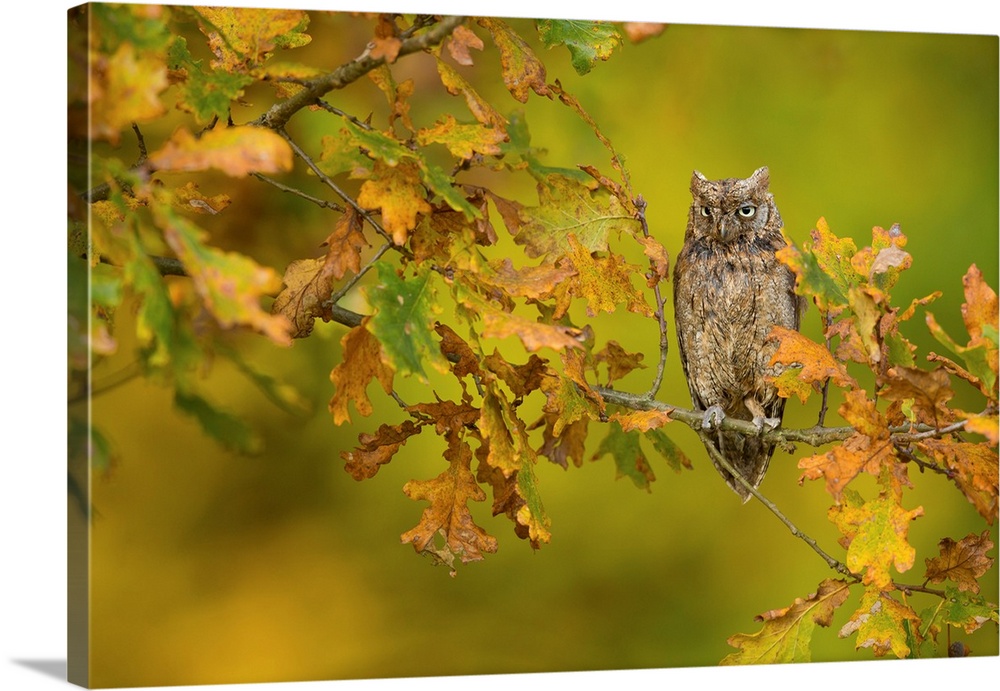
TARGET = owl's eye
x,y
747,210
706,212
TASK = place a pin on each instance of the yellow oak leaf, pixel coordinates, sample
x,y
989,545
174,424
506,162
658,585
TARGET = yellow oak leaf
x,y
877,531
787,632
236,151
397,191
125,88
883,624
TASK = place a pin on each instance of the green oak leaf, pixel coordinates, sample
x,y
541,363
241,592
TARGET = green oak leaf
x,y
587,41
404,320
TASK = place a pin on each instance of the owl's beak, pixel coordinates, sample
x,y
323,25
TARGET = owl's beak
x,y
725,229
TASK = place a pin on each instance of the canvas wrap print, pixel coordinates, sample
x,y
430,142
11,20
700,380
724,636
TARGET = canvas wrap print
x,y
409,345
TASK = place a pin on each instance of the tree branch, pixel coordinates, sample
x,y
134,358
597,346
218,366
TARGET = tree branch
x,y
279,114
813,436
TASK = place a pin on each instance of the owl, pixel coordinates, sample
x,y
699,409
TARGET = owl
x,y
729,290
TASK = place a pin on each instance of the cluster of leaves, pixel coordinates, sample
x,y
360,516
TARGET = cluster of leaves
x,y
448,300
916,428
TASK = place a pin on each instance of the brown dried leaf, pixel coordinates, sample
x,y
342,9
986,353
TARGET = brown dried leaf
x,y
929,391
973,469
619,361
377,449
961,562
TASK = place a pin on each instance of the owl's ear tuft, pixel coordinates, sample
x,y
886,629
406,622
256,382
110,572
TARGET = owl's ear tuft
x,y
697,180
761,178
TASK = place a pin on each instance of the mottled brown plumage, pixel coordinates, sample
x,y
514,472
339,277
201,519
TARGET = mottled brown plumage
x,y
729,290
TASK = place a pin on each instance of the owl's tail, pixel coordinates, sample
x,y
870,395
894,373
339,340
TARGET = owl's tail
x,y
749,456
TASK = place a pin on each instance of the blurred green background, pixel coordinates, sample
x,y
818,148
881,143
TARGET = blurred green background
x,y
210,567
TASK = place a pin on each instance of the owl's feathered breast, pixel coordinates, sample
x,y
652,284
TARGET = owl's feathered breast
x,y
727,297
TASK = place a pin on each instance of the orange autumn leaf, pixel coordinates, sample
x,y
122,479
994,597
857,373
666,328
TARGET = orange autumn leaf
x,y
928,391
807,364
361,362
448,514
236,151
972,467
642,420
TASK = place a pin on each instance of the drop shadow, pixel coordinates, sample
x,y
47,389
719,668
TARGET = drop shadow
x,y
51,668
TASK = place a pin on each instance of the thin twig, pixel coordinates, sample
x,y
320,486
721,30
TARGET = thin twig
x,y
724,462
336,297
828,320
299,193
329,182
640,205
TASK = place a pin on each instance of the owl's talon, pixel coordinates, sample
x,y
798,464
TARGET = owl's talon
x,y
766,423
713,417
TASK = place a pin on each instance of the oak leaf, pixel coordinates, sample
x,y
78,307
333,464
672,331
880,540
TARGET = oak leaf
x,y
125,87
630,460
460,41
961,562
377,449
231,285
404,320
567,208
877,532
619,361
822,267
398,193
448,514
243,37
463,140
967,610
670,451
928,391
236,151
806,364
480,108
642,420
523,72
883,624
787,632
972,467
604,282
361,362
587,41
